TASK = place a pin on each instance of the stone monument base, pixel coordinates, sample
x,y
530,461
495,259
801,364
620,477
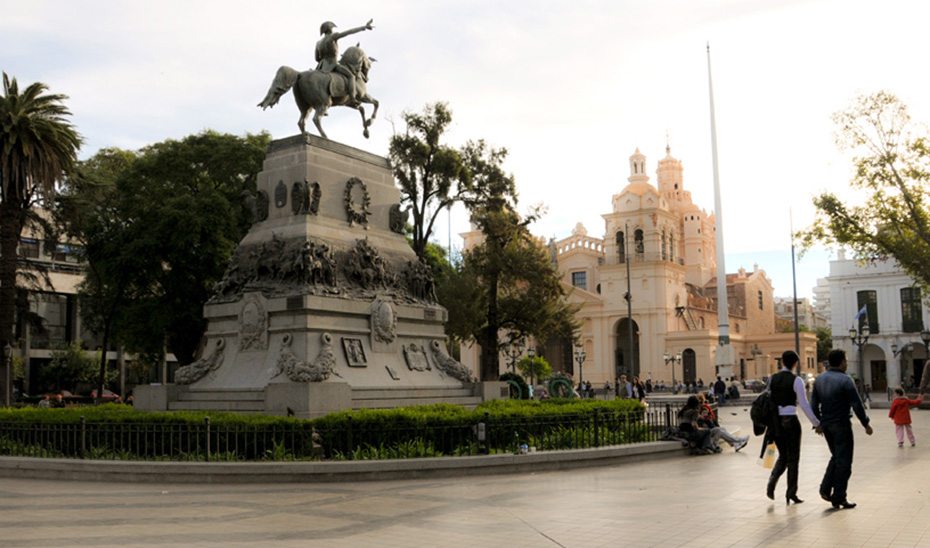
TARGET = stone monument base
x,y
324,305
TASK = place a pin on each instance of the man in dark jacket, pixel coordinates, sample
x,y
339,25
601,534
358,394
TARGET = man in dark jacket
x,y
720,390
833,395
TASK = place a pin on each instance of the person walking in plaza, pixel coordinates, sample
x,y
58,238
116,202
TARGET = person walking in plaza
x,y
788,394
900,413
720,391
834,394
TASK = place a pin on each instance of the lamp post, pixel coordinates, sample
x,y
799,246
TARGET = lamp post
x,y
860,337
516,350
531,353
7,375
673,359
895,351
580,356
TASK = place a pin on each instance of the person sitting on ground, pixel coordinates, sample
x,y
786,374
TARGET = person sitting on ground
x,y
706,418
688,423
45,402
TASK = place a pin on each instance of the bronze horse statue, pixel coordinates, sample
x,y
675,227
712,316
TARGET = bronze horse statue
x,y
317,90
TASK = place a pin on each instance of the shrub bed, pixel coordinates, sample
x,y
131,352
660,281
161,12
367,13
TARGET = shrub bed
x,y
117,431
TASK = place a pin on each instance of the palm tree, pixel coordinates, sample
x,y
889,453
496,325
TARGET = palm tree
x,y
38,148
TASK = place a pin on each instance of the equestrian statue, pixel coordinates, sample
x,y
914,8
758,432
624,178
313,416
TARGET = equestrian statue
x,y
342,83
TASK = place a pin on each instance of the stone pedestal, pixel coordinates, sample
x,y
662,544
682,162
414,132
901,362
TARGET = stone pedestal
x,y
324,297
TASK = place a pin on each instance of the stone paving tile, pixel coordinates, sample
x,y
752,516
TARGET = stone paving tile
x,y
712,501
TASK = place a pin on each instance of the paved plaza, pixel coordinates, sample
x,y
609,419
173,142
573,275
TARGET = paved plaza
x,y
713,501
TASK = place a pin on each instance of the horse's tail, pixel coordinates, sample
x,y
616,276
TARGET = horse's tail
x,y
284,80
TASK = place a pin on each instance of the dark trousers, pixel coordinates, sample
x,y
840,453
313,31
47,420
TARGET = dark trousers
x,y
839,438
788,441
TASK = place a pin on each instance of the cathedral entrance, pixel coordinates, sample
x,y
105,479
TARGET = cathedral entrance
x,y
689,365
627,359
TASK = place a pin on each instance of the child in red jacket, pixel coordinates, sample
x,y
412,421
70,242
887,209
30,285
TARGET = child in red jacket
x,y
901,413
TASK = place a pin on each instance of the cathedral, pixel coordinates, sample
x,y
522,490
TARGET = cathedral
x,y
653,276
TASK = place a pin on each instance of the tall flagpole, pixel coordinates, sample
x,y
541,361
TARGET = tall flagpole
x,y
794,286
726,357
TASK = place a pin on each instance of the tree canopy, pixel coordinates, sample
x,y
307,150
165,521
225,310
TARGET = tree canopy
x,y
507,282
431,175
38,148
158,228
892,172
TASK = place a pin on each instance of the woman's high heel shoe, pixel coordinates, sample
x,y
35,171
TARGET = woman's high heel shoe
x,y
794,499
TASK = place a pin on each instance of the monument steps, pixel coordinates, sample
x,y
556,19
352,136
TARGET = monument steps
x,y
386,398
231,400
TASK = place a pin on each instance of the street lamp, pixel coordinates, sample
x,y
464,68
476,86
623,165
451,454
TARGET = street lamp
x,y
673,359
580,356
516,350
7,374
895,351
531,353
859,338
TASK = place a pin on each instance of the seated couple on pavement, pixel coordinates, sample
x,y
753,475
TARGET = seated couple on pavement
x,y
704,438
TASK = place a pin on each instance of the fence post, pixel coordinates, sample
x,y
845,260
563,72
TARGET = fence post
x,y
597,424
206,421
668,415
487,434
481,435
349,450
83,435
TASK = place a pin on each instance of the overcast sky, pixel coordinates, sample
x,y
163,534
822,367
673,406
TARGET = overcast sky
x,y
571,89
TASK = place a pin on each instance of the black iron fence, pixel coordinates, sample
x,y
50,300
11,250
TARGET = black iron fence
x,y
352,440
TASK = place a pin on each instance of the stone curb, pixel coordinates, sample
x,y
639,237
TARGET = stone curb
x,y
339,471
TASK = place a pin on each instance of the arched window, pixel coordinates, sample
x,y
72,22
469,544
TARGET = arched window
x,y
664,249
671,247
638,241
620,246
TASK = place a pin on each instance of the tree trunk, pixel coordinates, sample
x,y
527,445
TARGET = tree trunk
x,y
490,357
105,344
11,225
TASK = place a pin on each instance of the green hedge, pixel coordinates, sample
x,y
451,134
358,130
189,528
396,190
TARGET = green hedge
x,y
118,431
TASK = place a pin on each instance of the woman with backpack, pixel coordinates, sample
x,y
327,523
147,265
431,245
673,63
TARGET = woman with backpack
x,y
787,390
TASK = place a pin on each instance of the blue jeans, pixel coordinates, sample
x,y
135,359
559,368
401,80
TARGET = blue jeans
x,y
839,436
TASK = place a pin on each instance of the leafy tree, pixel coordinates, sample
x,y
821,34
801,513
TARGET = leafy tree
x,y
164,225
824,343
92,211
69,366
506,283
430,174
892,161
534,368
38,148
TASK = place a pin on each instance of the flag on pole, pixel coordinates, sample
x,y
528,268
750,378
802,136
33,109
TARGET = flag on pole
x,y
861,312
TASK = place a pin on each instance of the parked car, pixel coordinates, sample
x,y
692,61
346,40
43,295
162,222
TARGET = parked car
x,y
107,395
62,393
755,385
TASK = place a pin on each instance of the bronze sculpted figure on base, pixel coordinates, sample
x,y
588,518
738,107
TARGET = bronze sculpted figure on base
x,y
342,83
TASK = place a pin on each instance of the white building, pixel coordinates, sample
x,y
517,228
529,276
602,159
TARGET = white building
x,y
894,353
807,314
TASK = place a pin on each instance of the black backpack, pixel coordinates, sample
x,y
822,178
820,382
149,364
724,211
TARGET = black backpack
x,y
762,413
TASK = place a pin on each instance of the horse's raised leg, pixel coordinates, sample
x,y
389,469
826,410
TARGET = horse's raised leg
x,y
365,123
373,101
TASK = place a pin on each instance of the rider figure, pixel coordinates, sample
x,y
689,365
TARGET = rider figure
x,y
327,50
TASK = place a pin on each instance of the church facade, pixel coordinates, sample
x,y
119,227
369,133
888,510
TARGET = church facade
x,y
659,249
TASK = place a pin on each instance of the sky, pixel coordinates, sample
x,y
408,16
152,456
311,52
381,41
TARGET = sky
x,y
570,89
